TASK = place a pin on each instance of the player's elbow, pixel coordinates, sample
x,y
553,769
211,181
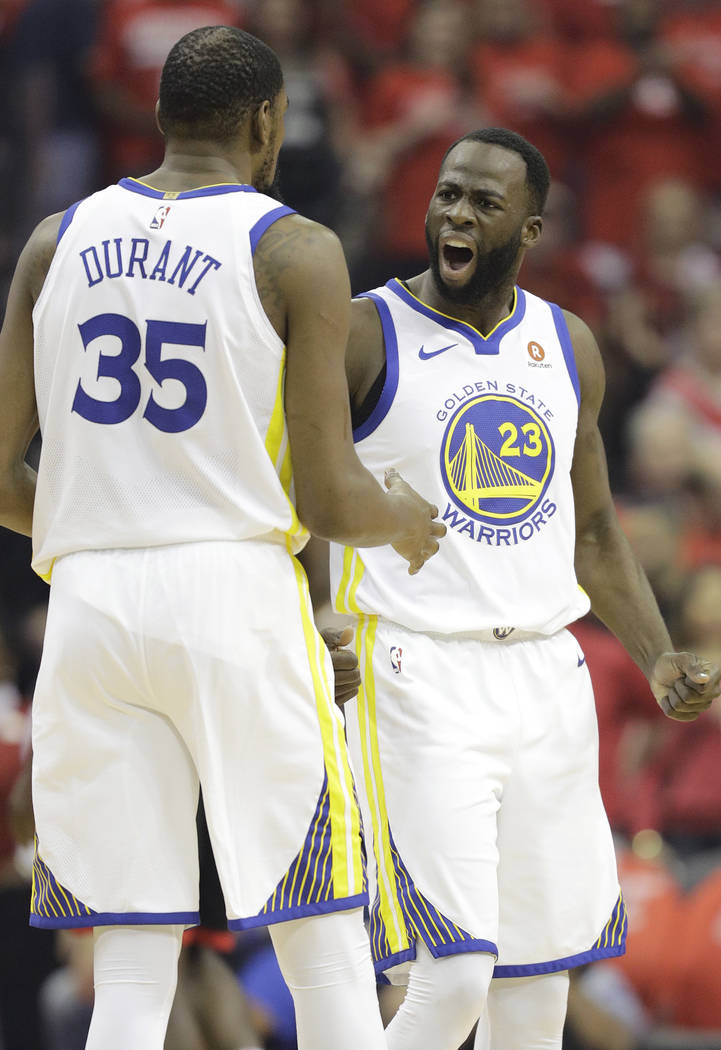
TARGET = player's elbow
x,y
325,520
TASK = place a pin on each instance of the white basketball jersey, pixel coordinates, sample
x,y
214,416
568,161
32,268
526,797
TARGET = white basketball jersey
x,y
159,378
485,428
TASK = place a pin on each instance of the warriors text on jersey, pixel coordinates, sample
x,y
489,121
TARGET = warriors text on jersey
x,y
152,352
485,428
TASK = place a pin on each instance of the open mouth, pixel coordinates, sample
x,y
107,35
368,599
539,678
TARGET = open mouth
x,y
456,257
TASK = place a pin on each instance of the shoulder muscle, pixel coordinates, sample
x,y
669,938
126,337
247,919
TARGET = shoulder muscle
x,y
298,263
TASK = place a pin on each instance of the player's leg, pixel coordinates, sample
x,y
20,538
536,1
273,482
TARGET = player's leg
x,y
434,761
135,976
444,1000
525,1013
325,961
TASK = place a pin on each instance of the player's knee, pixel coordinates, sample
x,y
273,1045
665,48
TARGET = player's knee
x,y
322,950
467,998
461,989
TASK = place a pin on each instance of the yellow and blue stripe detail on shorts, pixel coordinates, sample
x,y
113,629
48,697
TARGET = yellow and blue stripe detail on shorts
x,y
422,920
53,906
307,888
400,913
329,871
610,943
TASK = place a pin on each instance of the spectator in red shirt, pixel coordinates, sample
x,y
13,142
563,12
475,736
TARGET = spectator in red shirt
x,y
644,115
698,986
414,110
558,269
319,122
519,71
135,37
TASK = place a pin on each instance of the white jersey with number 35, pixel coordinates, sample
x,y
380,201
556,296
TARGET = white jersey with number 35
x,y
159,378
483,426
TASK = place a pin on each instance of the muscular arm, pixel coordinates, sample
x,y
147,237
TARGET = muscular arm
x,y
303,282
606,567
18,419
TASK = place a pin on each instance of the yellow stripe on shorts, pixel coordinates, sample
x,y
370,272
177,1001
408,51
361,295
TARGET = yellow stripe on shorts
x,y
278,448
389,904
353,569
348,869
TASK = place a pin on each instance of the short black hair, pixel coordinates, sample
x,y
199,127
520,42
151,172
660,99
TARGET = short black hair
x,y
212,78
538,177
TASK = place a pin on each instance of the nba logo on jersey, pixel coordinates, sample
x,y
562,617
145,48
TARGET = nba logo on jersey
x,y
160,217
396,653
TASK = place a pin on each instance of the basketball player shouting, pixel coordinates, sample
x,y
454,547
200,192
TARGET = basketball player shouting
x,y
475,726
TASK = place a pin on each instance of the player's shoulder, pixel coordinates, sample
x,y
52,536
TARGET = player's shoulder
x,y
295,242
589,363
39,251
365,319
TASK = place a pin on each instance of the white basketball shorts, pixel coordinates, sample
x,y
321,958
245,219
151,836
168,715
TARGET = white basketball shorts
x,y
479,784
164,668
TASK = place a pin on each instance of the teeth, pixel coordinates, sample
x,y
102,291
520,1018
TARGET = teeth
x,y
456,242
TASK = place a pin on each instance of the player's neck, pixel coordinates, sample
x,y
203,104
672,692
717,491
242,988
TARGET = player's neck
x,y
483,315
190,167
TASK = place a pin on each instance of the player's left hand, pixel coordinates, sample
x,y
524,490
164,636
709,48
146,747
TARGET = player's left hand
x,y
684,685
345,663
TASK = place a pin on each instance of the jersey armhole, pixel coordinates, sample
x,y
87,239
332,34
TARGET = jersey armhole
x,y
66,220
265,221
386,383
569,356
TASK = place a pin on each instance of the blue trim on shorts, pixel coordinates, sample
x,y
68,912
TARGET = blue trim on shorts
x,y
407,955
117,918
265,222
476,945
300,911
554,965
564,339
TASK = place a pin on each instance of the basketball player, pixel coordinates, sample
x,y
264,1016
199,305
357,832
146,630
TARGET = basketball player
x,y
475,724
188,336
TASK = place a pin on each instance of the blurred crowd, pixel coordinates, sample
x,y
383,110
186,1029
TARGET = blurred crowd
x,y
624,99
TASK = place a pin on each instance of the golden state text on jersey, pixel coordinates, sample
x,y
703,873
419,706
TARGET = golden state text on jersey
x,y
483,426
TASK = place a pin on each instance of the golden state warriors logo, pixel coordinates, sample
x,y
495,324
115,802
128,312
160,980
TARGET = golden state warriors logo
x,y
497,458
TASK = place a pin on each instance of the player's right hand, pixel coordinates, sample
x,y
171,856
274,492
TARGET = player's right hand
x,y
421,543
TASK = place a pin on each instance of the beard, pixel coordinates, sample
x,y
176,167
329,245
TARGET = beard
x,y
268,178
272,188
492,270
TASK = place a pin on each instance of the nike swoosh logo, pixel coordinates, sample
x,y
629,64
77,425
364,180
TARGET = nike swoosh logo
x,y
581,661
426,354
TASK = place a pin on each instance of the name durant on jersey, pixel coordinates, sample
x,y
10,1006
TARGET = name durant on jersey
x,y
171,265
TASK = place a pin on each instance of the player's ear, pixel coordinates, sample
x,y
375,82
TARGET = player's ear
x,y
261,124
532,230
158,125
